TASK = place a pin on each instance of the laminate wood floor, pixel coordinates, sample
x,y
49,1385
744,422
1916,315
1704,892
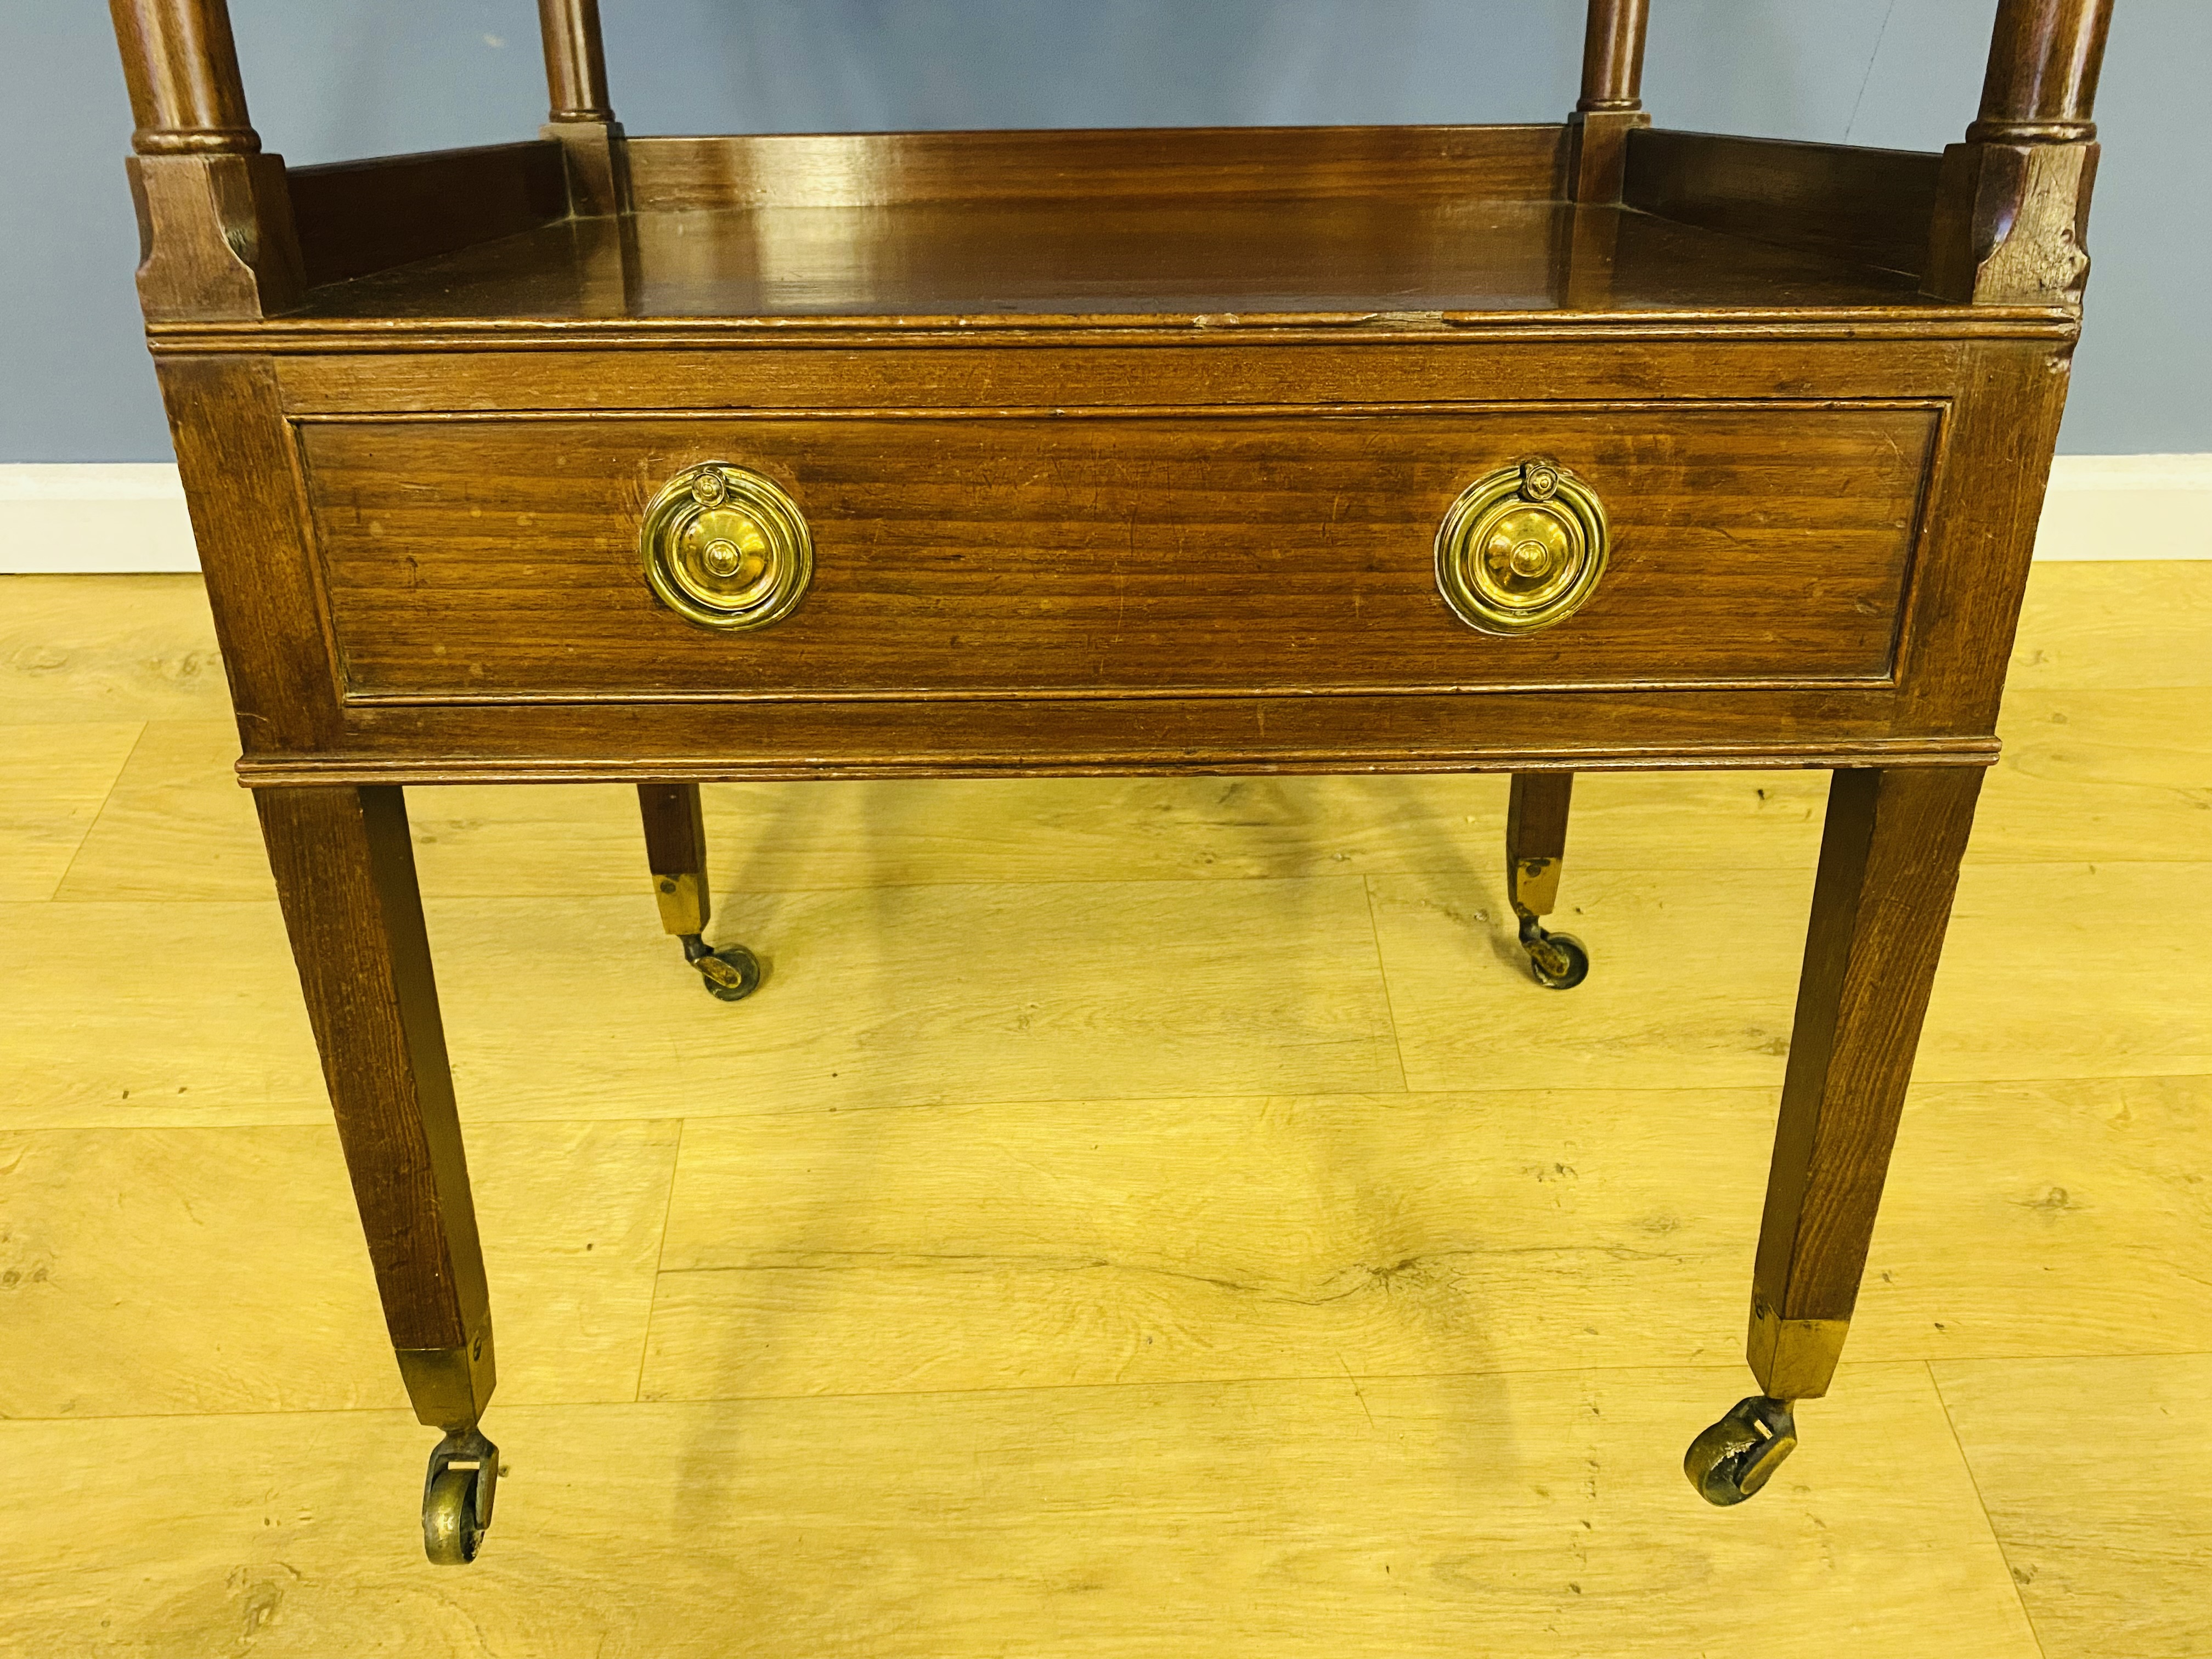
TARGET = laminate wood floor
x,y
1152,1218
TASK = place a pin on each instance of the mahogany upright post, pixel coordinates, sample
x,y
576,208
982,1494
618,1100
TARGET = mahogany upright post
x,y
181,66
1613,55
576,61
2012,211
579,115
214,215
2045,56
1611,99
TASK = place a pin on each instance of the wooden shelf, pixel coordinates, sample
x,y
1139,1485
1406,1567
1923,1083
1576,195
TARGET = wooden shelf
x,y
1176,261
1330,227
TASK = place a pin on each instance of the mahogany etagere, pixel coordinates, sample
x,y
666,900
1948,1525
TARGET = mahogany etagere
x,y
1534,449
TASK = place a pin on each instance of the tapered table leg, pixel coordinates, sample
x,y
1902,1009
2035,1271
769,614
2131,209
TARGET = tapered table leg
x,y
676,849
1535,851
1889,865
345,876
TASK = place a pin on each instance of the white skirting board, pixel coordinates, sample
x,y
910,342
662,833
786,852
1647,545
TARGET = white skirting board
x,y
86,518
89,518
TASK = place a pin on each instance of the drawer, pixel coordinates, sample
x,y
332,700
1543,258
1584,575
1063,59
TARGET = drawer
x,y
1094,553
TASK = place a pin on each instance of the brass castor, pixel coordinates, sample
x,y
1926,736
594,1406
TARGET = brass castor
x,y
456,1494
1558,960
732,973
1732,1460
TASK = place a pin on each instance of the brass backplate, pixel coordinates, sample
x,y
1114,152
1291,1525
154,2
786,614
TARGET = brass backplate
x,y
725,547
1522,549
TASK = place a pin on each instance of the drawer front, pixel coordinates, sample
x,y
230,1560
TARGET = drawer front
x,y
1095,554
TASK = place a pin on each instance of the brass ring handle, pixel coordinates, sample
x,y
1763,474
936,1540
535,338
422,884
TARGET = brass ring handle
x,y
1522,549
726,548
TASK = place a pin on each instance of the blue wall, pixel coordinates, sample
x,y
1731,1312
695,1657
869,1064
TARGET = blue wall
x,y
331,79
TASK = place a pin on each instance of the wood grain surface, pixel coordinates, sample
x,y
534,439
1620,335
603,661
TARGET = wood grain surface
x,y
1949,639
2012,209
1224,166
522,840
1613,54
1881,901
2034,937
134,648
2044,59
180,64
2100,775
571,1217
1075,1242
1371,1517
353,217
1008,249
2088,772
95,1037
189,1251
1055,556
1537,808
1198,262
345,880
1225,368
2104,1572
895,989
1870,207
2043,1219
2128,625
58,776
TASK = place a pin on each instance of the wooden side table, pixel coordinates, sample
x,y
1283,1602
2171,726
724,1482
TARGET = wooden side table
x,y
1535,449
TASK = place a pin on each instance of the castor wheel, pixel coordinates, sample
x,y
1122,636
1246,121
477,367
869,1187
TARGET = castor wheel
x,y
1558,960
1732,1460
731,973
456,1494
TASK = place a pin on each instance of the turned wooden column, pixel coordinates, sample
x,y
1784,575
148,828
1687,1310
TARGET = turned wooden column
x,y
214,215
1613,55
2042,78
579,114
181,66
576,61
1610,105
2013,209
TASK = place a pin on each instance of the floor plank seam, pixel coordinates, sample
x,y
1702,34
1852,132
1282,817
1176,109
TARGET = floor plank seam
x,y
1718,1368
1727,1366
432,897
1988,1520
660,1256
1382,978
314,1115
84,840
